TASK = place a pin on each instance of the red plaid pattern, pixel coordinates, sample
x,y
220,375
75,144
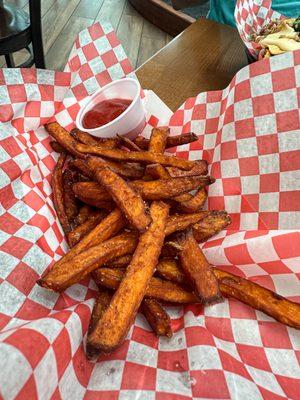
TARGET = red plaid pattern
x,y
249,135
250,17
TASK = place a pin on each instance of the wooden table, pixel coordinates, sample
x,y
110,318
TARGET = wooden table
x,y
204,57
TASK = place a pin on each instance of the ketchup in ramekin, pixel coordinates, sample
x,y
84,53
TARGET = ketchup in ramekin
x,y
115,109
104,112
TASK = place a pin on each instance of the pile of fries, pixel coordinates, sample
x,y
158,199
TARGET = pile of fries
x,y
133,219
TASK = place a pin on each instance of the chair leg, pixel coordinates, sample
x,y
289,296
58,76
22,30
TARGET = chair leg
x,y
9,61
36,29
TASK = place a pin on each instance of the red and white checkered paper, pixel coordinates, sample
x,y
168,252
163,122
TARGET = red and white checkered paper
x,y
251,16
249,133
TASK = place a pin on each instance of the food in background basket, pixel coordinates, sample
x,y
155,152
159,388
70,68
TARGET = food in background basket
x,y
278,36
130,206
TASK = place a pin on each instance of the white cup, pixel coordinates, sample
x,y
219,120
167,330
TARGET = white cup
x,y
130,123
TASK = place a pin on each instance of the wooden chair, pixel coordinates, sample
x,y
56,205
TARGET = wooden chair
x,y
18,30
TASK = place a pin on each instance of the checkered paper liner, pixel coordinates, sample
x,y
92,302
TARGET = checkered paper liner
x,y
250,17
249,133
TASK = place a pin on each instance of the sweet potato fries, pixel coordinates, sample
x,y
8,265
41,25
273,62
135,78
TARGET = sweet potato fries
x,y
133,225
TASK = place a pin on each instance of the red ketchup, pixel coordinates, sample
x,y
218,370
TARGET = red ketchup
x,y
105,112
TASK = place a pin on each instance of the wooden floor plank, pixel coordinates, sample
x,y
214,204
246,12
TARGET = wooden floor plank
x,y
57,56
46,5
88,8
24,4
62,20
55,20
152,40
130,31
111,10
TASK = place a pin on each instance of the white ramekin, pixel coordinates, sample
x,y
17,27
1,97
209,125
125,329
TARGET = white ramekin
x,y
130,123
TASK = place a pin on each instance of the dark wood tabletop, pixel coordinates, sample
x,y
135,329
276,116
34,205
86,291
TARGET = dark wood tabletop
x,y
204,57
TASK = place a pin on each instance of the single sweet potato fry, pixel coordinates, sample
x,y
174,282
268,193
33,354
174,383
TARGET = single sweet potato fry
x,y
117,319
80,166
84,213
101,303
158,140
125,197
83,137
149,190
157,171
126,170
91,190
86,227
180,222
210,225
86,138
92,193
121,262
63,275
100,204
157,317
126,142
57,147
196,203
158,289
106,229
58,193
172,141
199,168
198,270
169,269
144,157
168,250
168,188
283,310
70,201
64,138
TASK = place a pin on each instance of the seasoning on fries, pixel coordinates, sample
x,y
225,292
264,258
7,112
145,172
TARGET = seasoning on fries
x,y
144,157
157,317
155,314
126,170
84,213
172,141
157,171
158,140
102,192
86,138
58,194
117,319
168,188
64,138
148,190
125,197
158,289
63,275
244,290
199,168
195,203
70,201
86,227
210,225
197,270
